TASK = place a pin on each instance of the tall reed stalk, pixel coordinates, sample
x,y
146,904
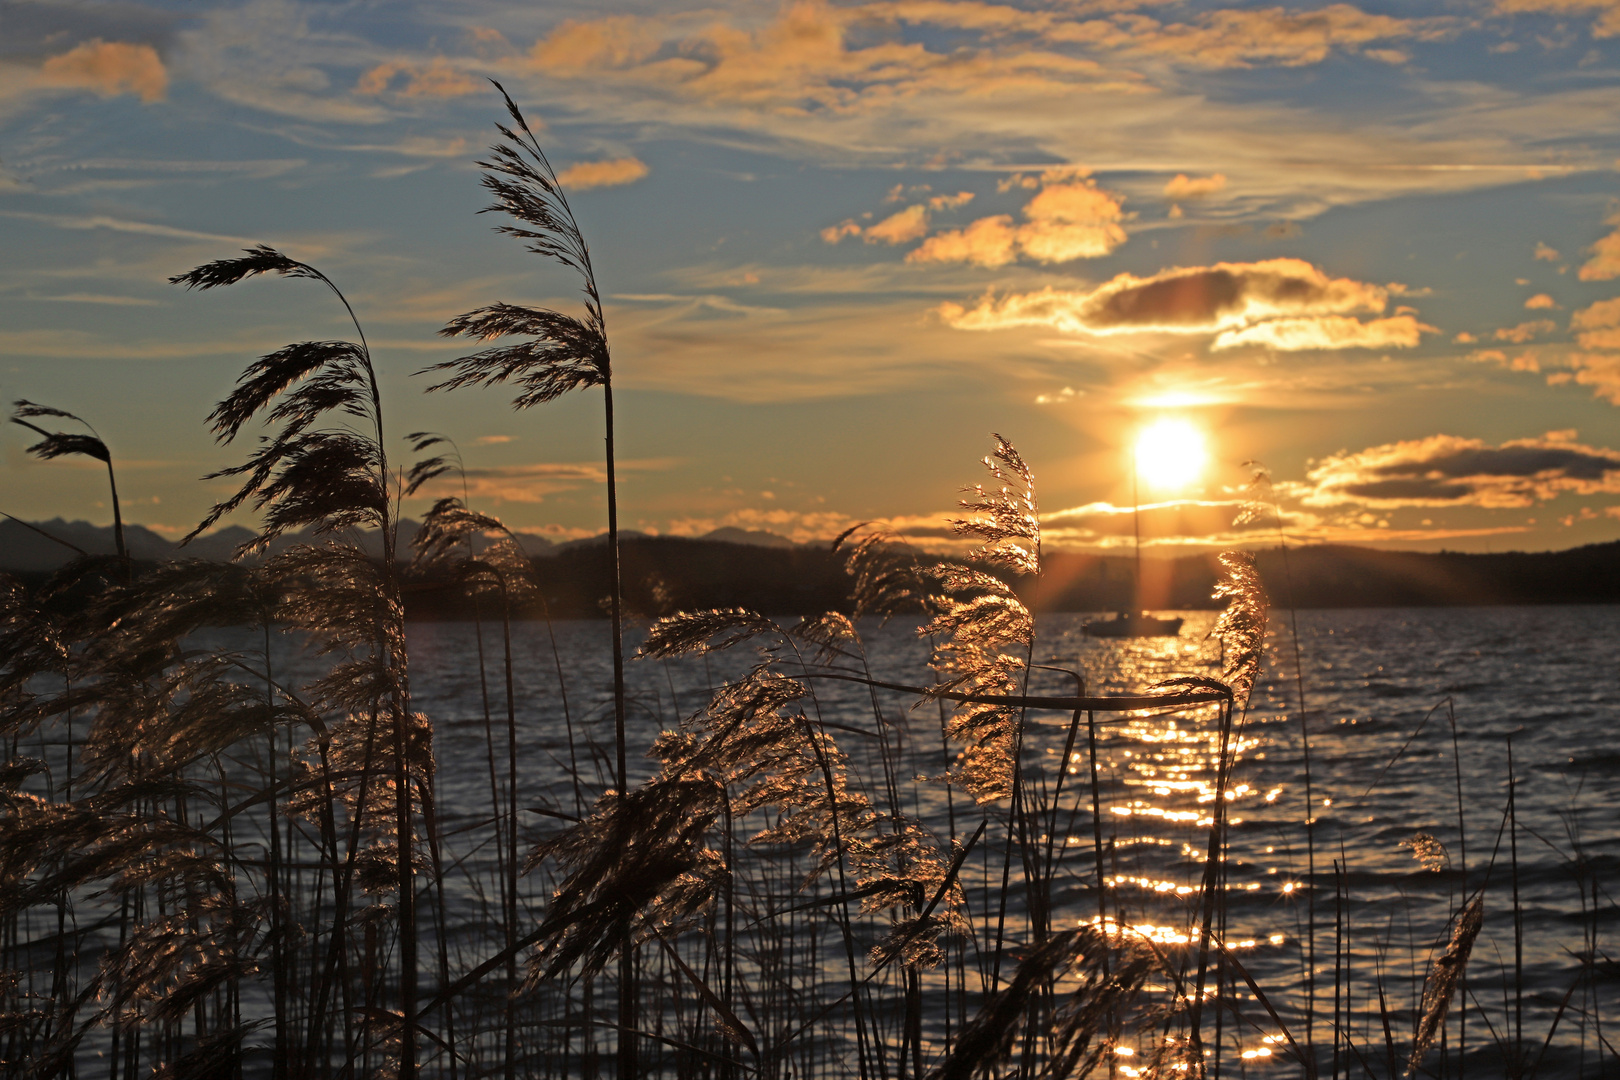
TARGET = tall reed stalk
x,y
562,354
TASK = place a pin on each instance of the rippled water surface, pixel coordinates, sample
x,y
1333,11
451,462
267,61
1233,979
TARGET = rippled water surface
x,y
1406,713
1415,721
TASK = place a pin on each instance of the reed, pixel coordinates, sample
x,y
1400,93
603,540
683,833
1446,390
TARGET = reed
x,y
56,444
226,847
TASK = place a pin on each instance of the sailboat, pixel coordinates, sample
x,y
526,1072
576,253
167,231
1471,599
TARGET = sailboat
x,y
1138,623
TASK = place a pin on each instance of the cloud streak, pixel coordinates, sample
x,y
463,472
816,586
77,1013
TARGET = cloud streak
x,y
1282,304
1445,470
1327,332
531,483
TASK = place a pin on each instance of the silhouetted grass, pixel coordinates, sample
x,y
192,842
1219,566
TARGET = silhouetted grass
x,y
217,863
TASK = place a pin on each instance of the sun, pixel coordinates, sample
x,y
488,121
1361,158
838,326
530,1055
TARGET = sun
x,y
1170,453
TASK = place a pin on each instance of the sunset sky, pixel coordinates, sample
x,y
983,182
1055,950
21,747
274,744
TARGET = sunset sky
x,y
1375,247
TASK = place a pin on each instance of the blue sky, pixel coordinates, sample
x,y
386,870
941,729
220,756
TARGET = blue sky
x,y
1376,247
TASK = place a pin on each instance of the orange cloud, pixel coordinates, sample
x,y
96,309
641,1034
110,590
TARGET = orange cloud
x,y
1525,331
827,61
1444,470
593,174
436,80
1599,325
1599,329
991,241
1069,218
901,227
1239,38
1546,253
1607,11
1327,332
618,41
110,68
834,233
1605,261
1541,302
950,202
801,64
1186,300
1601,314
1600,371
1183,186
1607,338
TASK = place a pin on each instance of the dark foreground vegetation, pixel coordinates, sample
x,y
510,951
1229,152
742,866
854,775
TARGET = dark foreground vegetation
x,y
214,864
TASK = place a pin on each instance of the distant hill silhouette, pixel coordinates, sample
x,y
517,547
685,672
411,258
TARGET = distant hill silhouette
x,y
1337,576
768,573
23,548
664,574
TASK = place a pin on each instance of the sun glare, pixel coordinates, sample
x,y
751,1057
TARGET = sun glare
x,y
1170,454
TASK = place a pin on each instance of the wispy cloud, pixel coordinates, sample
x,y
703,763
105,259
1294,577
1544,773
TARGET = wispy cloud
x,y
142,228
534,481
1327,332
1606,13
435,79
97,298
800,526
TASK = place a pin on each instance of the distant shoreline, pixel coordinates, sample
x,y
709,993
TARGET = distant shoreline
x,y
664,574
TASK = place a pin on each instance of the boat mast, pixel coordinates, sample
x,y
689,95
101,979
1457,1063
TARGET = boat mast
x,y
1136,525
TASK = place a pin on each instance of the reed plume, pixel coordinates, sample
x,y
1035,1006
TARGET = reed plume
x,y
1441,983
1242,623
55,444
979,616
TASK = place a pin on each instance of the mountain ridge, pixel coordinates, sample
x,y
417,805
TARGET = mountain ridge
x,y
764,572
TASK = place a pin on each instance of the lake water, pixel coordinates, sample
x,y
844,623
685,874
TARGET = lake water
x,y
1402,709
